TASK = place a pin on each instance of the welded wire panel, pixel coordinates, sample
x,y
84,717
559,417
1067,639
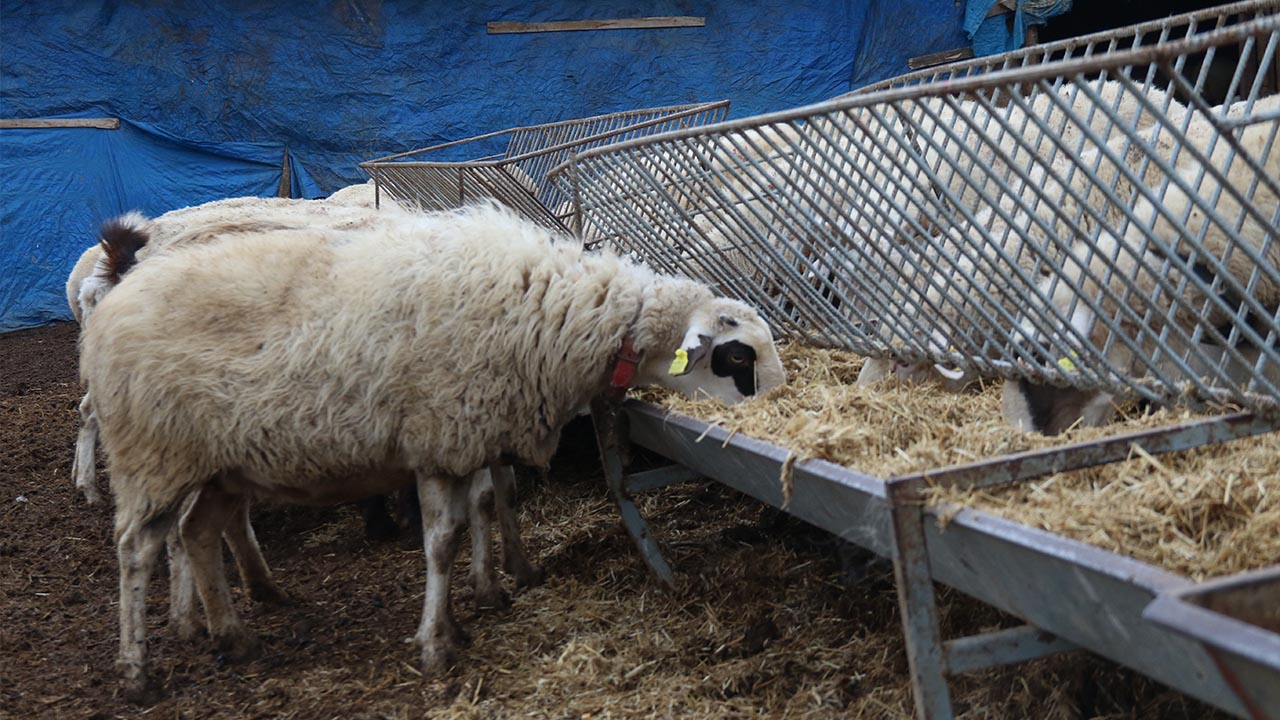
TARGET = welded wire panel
x,y
511,166
1094,222
1210,77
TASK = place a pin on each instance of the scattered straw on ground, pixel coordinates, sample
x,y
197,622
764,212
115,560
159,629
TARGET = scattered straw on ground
x,y
1210,511
774,619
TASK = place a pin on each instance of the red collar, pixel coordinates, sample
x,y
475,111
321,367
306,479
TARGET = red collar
x,y
624,368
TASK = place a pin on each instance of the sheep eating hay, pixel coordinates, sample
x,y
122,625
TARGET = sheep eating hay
x,y
288,363
1189,233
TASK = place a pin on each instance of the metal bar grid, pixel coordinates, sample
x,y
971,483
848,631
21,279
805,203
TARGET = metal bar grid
x,y
1093,219
1092,222
511,165
1152,32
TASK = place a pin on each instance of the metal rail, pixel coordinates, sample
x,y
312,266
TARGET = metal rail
x,y
1237,622
511,165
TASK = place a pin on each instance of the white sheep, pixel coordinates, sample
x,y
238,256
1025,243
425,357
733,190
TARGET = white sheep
x,y
104,270
1146,312
964,257
278,364
90,278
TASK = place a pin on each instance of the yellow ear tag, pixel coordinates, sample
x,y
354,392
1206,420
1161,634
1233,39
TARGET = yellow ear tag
x,y
680,363
1067,364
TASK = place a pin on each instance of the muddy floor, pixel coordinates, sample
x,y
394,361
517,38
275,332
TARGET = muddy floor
x,y
772,619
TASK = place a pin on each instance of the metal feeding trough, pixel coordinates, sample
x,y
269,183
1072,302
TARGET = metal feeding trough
x,y
1081,217
511,165
1237,620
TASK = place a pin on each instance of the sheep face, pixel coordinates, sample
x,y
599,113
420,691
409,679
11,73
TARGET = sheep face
x,y
727,353
1053,410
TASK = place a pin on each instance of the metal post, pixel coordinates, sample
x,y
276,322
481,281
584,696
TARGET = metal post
x,y
917,607
606,416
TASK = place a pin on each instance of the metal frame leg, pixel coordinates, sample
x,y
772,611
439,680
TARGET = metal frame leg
x,y
931,659
606,417
918,609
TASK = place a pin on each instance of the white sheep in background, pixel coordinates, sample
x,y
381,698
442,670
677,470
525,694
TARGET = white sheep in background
x,y
279,364
1051,409
90,279
1043,192
746,205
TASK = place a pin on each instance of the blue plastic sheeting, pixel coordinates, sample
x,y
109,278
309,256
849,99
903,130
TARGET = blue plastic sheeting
x,y
995,35
896,31
212,94
59,184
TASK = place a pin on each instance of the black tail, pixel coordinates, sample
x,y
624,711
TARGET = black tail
x,y
121,239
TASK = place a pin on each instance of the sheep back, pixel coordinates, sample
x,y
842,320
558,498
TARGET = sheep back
x,y
299,356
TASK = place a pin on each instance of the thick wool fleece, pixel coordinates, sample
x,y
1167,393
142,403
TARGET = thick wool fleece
x,y
347,208
298,358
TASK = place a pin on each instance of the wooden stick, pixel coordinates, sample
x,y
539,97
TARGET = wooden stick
x,y
502,28
41,123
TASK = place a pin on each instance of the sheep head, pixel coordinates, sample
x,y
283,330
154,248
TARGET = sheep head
x,y
727,353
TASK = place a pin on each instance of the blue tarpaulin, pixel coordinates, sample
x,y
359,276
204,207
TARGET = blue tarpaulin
x,y
1006,32
211,95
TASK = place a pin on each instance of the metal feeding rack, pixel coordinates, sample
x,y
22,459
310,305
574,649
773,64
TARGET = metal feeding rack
x,y
511,165
1097,216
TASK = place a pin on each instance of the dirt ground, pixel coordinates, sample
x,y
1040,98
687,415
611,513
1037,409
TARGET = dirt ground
x,y
773,618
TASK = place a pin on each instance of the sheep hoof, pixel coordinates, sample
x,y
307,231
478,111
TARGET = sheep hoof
x,y
185,627
270,593
493,599
90,491
438,658
142,693
137,687
457,636
527,575
237,646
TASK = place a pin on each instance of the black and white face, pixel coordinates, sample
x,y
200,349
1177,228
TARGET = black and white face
x,y
727,353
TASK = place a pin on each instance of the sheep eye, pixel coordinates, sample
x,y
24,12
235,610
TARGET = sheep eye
x,y
739,358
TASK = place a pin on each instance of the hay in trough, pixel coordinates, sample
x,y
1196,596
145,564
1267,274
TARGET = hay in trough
x,y
1204,512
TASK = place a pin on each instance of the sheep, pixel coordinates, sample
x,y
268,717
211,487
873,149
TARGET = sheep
x,y
281,363
98,271
122,240
255,574
951,281
1127,256
89,281
740,197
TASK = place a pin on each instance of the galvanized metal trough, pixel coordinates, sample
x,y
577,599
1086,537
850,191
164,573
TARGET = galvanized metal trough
x,y
1237,621
1091,218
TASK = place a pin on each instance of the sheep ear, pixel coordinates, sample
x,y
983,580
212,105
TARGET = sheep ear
x,y
728,321
694,348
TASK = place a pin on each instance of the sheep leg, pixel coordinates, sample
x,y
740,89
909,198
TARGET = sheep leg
x,y
484,572
515,560
137,546
442,500
255,576
201,529
182,589
379,526
84,468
